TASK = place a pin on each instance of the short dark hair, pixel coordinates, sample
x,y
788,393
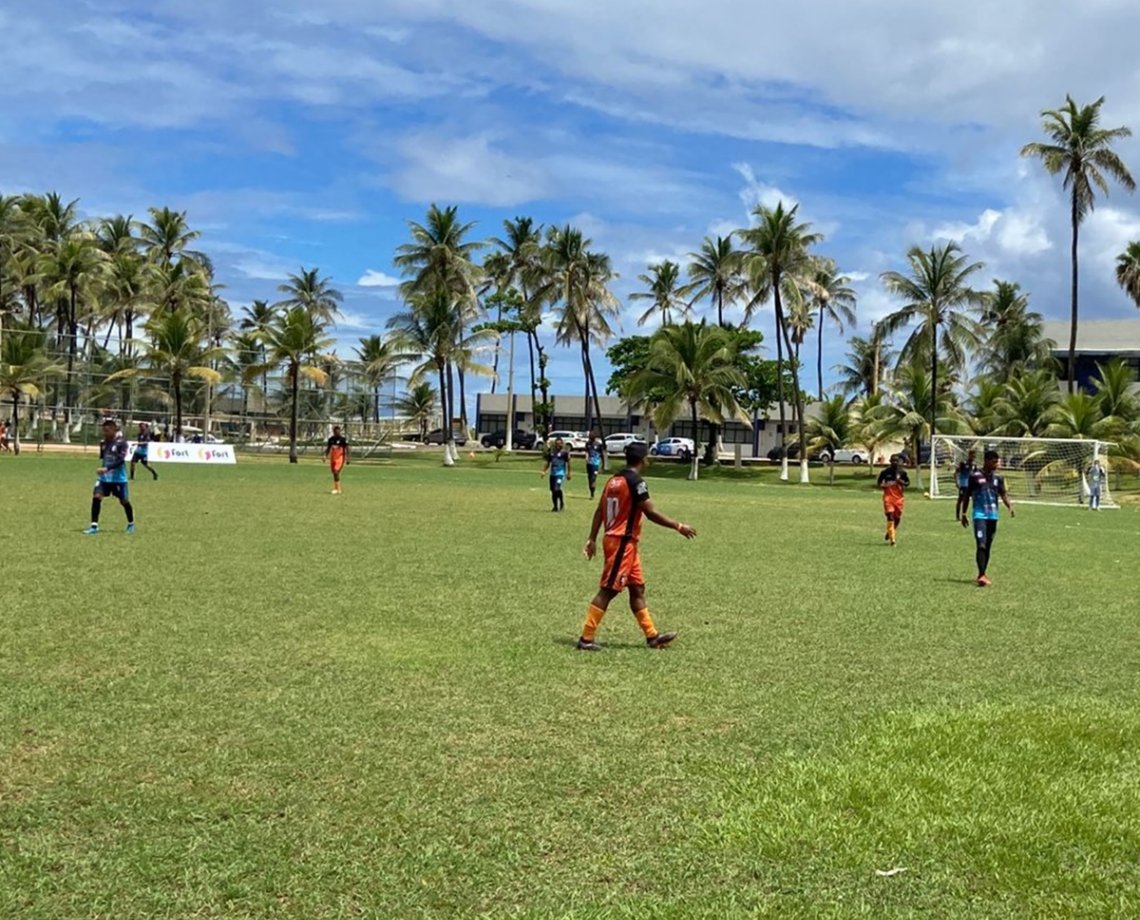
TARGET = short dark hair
x,y
636,452
111,422
992,455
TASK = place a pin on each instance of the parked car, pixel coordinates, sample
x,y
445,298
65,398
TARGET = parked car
x,y
674,447
436,436
777,453
574,440
844,455
523,440
617,443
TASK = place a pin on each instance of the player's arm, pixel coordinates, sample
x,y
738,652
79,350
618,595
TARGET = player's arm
x,y
569,464
1006,501
328,447
592,543
546,467
662,521
347,453
118,458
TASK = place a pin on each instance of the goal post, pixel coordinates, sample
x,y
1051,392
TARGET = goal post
x,y
1042,471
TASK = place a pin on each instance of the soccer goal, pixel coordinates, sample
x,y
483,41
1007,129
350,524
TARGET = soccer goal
x,y
1043,471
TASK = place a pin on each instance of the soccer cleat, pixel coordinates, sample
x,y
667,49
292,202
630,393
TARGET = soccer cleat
x,y
984,582
131,528
661,640
588,645
91,531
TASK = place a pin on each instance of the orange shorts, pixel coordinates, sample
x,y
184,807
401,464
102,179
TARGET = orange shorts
x,y
893,509
336,461
623,564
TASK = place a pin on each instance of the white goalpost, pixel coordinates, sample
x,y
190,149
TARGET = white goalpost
x,y
1042,471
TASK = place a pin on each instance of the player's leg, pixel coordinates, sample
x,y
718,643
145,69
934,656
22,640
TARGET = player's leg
x,y
594,615
554,493
134,460
150,469
96,507
983,542
120,491
592,475
896,520
640,606
889,536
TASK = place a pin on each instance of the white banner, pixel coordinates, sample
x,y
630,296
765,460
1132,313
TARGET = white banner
x,y
167,452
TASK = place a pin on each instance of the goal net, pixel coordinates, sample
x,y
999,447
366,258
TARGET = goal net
x,y
1044,471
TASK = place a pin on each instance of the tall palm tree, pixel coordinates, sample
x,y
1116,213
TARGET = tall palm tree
x,y
1128,271
380,358
1016,342
691,366
833,297
294,339
128,283
867,361
167,238
248,357
664,292
1080,149
256,319
779,263
429,329
312,293
417,405
178,350
496,275
917,408
24,365
522,245
181,285
938,299
832,430
441,257
716,271
577,280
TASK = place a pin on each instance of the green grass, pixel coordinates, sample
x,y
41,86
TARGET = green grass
x,y
275,703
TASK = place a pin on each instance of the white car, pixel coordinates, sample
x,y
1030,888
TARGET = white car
x,y
844,455
674,447
617,443
573,440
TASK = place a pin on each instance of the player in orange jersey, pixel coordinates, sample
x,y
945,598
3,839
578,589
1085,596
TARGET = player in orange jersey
x,y
336,450
893,481
624,503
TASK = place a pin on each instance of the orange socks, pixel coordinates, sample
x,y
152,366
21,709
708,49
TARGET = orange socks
x,y
593,620
645,621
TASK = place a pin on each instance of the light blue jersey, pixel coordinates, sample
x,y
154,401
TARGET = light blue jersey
x,y
113,458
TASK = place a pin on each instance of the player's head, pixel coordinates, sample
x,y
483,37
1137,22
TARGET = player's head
x,y
895,460
992,460
110,427
143,426
336,429
971,455
594,435
635,455
559,444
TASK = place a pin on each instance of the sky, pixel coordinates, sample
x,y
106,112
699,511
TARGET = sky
x,y
300,133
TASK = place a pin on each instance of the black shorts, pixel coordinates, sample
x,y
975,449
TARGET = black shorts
x,y
112,490
556,483
139,456
592,473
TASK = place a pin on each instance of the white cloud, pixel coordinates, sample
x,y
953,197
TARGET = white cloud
x,y
373,278
757,193
1016,233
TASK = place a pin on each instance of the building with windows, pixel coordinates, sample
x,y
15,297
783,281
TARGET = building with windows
x,y
570,415
1098,342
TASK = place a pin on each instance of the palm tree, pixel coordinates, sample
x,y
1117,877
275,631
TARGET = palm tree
x,y
177,349
778,265
294,339
938,299
664,292
691,365
1128,271
441,258
429,329
1117,398
181,285
916,409
379,358
1077,415
867,360
24,364
1016,342
983,404
717,272
248,357
870,426
256,319
832,295
831,430
309,291
1081,149
417,405
578,281
522,245
167,237
1026,406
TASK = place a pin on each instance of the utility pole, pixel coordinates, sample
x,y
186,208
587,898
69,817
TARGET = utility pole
x,y
511,391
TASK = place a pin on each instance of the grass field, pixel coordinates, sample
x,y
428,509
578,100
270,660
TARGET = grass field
x,y
271,702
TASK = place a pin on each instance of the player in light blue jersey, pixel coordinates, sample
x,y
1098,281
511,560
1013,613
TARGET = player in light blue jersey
x,y
595,459
112,476
1097,476
558,466
987,489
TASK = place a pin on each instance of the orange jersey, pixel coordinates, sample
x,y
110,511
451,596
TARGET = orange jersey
x,y
894,483
622,499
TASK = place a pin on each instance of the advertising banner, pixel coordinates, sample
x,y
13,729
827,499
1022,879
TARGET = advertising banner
x,y
166,452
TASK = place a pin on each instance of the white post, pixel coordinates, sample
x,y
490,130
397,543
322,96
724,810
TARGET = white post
x,y
933,466
511,394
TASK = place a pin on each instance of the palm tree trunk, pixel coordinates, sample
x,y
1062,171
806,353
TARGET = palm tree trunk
x,y
878,350
462,374
819,355
544,387
295,392
533,381
695,465
779,309
586,407
799,407
72,343
720,306
444,374
1075,283
933,399
16,422
594,387
176,382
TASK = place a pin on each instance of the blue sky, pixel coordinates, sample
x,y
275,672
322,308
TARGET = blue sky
x,y
308,133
